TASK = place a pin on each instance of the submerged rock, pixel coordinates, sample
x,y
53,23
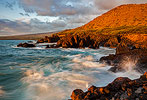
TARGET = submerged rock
x,y
121,88
51,46
26,45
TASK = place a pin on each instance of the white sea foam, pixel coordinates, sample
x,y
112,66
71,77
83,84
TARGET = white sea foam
x,y
92,64
38,48
89,58
41,44
44,91
47,87
87,61
28,48
130,74
2,92
15,46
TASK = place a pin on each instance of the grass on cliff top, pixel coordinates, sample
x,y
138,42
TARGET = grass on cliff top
x,y
107,31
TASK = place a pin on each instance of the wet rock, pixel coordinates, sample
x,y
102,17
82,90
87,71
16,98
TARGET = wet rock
x,y
127,52
107,59
77,94
26,45
136,58
139,90
121,88
40,41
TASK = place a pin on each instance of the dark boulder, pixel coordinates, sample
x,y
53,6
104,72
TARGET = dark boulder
x,y
40,41
26,45
77,94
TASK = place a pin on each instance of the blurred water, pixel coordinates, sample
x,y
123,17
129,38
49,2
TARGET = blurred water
x,y
51,74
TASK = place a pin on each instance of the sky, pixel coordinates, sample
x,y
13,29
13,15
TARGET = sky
x,y
18,17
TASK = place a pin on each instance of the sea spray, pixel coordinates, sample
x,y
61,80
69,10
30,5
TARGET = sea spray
x,y
129,63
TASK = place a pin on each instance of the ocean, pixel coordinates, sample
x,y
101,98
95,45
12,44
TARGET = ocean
x,y
52,74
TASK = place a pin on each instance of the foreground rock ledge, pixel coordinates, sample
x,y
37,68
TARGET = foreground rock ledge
x,y
121,88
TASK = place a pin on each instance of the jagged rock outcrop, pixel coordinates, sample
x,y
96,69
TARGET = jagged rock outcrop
x,y
26,45
112,42
75,41
121,88
130,49
51,39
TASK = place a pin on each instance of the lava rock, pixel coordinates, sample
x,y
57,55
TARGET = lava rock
x,y
26,45
51,39
121,88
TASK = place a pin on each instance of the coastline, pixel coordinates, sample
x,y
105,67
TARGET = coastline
x,y
124,53
129,38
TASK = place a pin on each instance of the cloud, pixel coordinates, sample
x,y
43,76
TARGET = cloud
x,y
8,3
8,27
109,4
58,7
22,14
72,7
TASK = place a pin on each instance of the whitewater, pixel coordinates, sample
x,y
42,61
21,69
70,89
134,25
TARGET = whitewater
x,y
52,74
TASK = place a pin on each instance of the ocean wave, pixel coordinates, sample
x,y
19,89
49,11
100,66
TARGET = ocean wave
x,y
46,87
28,48
87,61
